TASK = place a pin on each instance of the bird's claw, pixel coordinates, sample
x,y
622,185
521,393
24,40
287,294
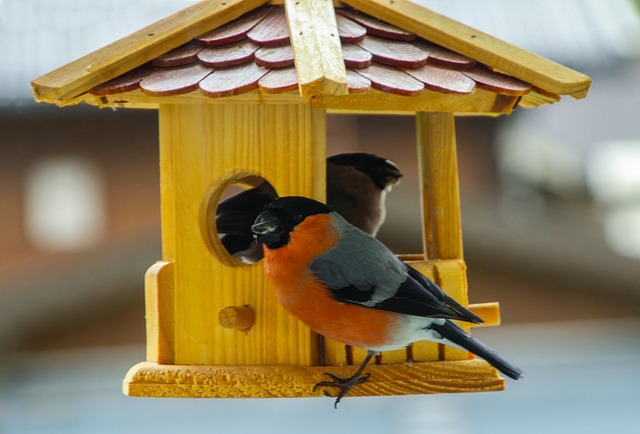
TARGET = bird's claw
x,y
344,384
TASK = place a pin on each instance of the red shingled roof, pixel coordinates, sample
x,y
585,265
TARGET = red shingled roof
x,y
254,51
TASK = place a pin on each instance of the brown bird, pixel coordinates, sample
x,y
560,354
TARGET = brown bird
x,y
357,186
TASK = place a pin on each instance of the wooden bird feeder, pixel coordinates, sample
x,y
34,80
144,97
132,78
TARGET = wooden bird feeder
x,y
243,88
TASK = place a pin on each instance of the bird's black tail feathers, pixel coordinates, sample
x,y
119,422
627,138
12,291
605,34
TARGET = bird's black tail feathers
x,y
462,313
456,335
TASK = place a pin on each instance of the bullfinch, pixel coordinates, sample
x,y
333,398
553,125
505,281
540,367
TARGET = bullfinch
x,y
346,285
357,185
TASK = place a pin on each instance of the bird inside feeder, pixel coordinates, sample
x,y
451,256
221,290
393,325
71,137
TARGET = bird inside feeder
x,y
357,186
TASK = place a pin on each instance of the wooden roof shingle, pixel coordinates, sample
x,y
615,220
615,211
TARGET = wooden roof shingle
x,y
255,52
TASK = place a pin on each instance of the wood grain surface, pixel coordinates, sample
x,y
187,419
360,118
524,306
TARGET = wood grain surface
x,y
443,79
207,381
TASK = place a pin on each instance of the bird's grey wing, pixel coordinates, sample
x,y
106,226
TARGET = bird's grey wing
x,y
361,270
419,296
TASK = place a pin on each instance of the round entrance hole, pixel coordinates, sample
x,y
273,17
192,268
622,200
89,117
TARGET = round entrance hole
x,y
231,208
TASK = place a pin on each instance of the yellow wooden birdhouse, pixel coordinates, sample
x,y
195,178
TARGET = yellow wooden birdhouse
x,y
243,88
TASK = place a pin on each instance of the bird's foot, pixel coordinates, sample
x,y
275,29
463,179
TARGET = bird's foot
x,y
344,384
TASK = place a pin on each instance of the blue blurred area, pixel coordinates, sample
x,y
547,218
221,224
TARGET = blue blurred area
x,y
580,377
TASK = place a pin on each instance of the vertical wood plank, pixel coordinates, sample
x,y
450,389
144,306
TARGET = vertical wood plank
x,y
167,182
158,295
335,353
394,357
437,159
286,145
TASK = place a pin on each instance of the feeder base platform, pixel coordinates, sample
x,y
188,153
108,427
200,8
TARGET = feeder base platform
x,y
150,379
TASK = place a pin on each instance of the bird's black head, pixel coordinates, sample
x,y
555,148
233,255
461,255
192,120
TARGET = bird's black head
x,y
382,172
274,225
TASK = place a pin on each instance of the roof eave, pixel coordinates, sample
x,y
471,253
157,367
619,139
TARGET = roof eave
x,y
480,102
127,53
496,53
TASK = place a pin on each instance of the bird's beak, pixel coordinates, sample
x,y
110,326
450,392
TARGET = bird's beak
x,y
393,175
266,223
392,182
393,172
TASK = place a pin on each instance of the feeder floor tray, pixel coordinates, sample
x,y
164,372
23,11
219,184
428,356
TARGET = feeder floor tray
x,y
286,381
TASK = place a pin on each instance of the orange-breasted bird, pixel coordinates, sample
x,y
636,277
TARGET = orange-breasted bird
x,y
346,285
357,186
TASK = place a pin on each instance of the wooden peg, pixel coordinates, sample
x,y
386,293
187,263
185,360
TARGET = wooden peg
x,y
236,317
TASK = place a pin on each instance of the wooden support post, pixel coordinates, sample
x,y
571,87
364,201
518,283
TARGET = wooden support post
x,y
442,230
437,159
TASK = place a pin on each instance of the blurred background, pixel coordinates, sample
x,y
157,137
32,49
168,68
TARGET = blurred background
x,y
551,221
